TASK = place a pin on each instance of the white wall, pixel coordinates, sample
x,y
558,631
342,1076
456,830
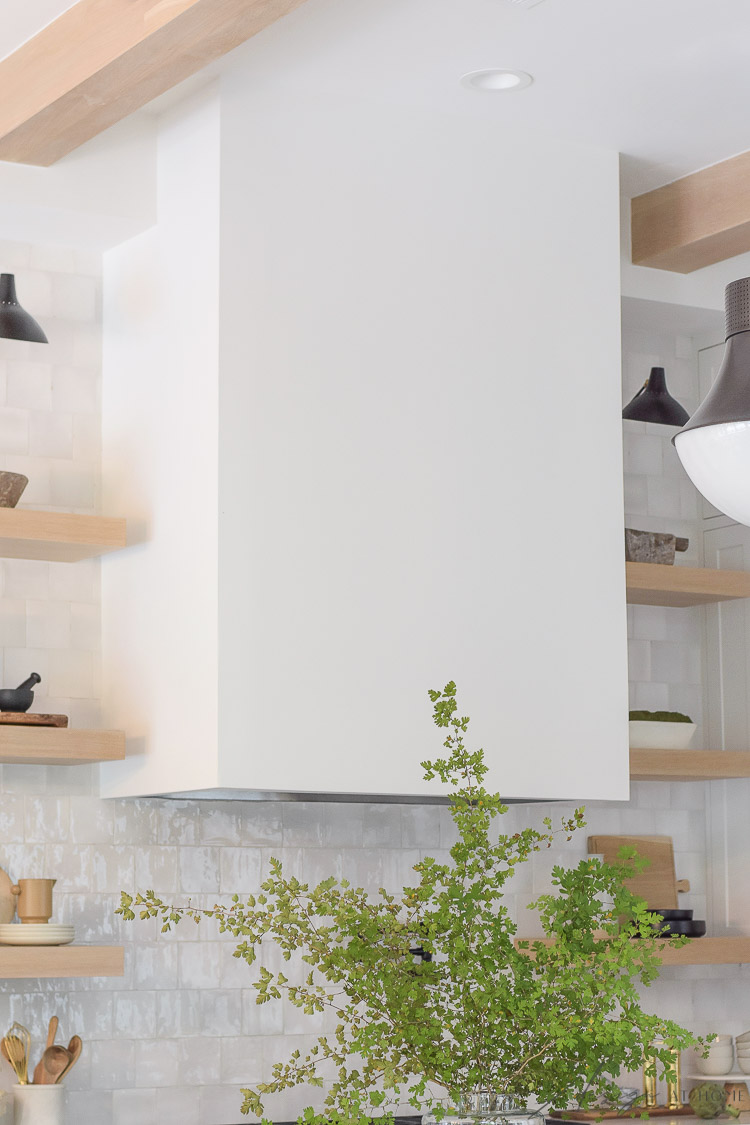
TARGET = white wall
x,y
160,471
95,197
419,357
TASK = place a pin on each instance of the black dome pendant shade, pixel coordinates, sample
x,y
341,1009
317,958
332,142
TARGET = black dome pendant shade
x,y
15,322
654,403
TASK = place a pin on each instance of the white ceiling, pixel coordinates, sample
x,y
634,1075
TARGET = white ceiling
x,y
665,82
20,19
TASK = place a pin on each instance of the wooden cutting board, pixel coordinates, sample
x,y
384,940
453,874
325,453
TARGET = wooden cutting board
x,y
7,899
657,883
619,1114
24,719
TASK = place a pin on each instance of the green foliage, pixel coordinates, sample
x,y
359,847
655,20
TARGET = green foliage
x,y
553,1021
659,717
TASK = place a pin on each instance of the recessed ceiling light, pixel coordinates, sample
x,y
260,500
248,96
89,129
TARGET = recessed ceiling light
x,y
498,81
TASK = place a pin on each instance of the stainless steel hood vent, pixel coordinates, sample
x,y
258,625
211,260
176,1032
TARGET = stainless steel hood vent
x,y
339,798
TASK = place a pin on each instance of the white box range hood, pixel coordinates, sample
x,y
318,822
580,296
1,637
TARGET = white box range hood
x,y
341,381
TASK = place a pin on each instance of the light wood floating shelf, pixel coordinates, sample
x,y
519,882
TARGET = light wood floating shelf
x,y
710,951
694,221
654,584
58,536
699,951
60,746
96,63
688,765
61,961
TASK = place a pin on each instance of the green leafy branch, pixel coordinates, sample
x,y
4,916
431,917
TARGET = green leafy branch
x,y
554,1019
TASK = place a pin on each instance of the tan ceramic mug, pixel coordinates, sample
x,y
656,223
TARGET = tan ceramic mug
x,y
34,899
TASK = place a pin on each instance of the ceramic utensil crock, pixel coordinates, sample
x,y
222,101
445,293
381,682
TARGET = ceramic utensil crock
x,y
39,1105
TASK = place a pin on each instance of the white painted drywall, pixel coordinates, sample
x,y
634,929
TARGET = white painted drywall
x,y
96,197
160,438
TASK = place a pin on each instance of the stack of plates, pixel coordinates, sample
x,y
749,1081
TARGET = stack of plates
x,y
48,933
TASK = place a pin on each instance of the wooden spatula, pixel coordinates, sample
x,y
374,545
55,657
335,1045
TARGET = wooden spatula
x,y
74,1050
39,1071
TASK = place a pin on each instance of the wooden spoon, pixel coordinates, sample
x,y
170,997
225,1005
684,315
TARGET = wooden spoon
x,y
55,1061
74,1050
39,1071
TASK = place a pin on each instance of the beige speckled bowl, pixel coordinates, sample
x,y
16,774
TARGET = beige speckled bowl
x,y
647,735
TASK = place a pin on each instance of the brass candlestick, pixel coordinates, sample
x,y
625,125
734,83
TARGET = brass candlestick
x,y
674,1098
649,1081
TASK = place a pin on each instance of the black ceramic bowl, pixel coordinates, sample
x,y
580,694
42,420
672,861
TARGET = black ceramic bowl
x,y
688,929
675,915
16,699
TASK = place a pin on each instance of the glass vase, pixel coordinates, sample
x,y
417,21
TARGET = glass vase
x,y
485,1107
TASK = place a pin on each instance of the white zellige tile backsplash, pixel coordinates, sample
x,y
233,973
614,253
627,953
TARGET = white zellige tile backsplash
x,y
179,1034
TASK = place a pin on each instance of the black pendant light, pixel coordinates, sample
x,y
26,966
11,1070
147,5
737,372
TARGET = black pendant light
x,y
654,403
15,322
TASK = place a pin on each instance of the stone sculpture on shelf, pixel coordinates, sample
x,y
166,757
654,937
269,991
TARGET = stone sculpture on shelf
x,y
11,488
652,546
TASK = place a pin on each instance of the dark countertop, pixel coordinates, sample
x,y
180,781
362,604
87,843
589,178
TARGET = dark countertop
x,y
413,1120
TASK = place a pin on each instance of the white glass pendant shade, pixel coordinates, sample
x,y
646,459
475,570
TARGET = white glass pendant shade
x,y
714,445
717,460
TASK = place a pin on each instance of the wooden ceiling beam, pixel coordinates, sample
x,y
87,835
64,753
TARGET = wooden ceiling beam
x,y
696,221
103,59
